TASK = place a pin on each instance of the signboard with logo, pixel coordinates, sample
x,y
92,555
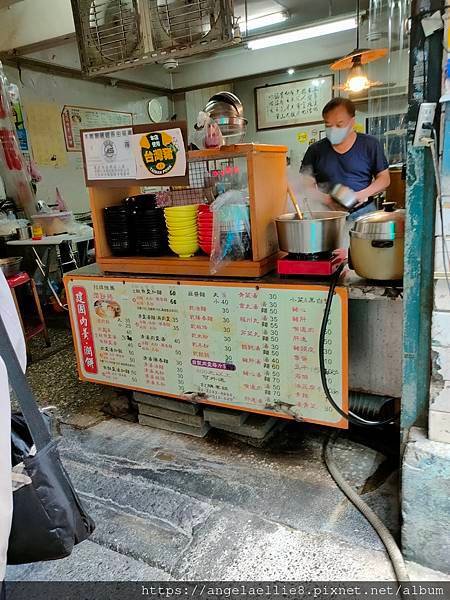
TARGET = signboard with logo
x,y
108,154
149,154
159,154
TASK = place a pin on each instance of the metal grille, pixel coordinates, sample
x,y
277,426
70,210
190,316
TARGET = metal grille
x,y
207,179
184,21
114,28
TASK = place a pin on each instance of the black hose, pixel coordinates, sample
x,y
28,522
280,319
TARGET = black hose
x,y
350,417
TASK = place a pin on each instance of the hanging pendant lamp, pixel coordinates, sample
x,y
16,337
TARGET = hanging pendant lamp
x,y
357,80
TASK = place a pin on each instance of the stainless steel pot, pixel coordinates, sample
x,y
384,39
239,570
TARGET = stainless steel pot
x,y
322,233
10,266
377,244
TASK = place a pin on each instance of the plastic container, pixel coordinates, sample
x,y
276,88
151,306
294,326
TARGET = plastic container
x,y
54,223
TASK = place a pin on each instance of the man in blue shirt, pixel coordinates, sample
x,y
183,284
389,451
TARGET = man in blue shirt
x,y
345,157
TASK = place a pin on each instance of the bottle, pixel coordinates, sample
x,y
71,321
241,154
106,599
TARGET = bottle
x,y
37,232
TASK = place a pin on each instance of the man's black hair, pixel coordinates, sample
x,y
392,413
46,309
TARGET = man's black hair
x,y
338,101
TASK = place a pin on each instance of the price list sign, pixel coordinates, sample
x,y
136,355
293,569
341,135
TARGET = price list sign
x,y
240,345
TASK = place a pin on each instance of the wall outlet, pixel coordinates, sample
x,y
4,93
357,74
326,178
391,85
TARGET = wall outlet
x,y
424,127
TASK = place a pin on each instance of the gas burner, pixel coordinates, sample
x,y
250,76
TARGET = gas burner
x,y
307,257
321,264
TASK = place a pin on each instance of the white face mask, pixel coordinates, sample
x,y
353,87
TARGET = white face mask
x,y
336,135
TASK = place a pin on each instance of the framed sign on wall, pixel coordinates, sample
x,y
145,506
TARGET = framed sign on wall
x,y
293,103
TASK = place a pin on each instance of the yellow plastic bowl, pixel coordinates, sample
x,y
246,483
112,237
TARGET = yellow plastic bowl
x,y
182,230
181,211
182,239
181,224
184,250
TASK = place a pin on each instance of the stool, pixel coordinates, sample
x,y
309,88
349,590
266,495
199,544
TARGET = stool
x,y
23,279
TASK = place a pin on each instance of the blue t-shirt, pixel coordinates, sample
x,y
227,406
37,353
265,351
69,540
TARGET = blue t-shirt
x,y
356,168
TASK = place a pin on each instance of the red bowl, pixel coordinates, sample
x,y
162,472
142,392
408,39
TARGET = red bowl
x,y
203,208
206,230
205,222
206,250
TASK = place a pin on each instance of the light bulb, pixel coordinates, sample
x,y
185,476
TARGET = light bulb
x,y
357,80
357,83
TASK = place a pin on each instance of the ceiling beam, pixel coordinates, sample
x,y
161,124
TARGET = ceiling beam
x,y
21,62
43,45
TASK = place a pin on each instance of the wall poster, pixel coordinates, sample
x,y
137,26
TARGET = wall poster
x,y
76,118
292,103
243,346
47,141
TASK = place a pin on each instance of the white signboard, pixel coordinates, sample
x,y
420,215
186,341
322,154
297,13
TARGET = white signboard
x,y
108,154
293,103
244,346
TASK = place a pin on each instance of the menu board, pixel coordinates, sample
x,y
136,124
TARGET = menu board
x,y
241,345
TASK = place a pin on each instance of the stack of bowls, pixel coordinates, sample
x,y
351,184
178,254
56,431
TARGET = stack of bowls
x,y
205,228
147,225
181,224
149,231
118,230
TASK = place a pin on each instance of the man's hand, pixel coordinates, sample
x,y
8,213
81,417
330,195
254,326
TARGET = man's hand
x,y
332,204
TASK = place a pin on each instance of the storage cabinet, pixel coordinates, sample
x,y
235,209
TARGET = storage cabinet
x,y
258,170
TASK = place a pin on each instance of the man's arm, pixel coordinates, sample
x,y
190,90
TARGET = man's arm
x,y
378,185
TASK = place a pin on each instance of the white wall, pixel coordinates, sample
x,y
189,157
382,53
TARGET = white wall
x,y
32,21
39,87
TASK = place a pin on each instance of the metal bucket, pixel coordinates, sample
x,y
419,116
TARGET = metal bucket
x,y
322,233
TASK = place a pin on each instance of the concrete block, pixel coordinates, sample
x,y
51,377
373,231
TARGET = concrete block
x,y
441,295
440,329
171,415
446,216
439,426
440,363
438,255
426,501
440,396
217,417
255,426
169,403
260,442
175,427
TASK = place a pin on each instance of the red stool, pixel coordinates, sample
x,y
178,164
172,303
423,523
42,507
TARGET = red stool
x,y
23,279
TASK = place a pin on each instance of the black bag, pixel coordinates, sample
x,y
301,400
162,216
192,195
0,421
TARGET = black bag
x,y
48,517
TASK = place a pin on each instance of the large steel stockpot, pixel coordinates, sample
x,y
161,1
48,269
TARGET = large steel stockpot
x,y
323,233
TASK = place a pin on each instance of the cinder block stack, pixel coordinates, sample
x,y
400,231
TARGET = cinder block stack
x,y
194,419
172,415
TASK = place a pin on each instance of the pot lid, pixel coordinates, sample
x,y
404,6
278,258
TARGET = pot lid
x,y
382,224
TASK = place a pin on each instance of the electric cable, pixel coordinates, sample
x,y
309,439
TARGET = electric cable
x,y
380,528
351,416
